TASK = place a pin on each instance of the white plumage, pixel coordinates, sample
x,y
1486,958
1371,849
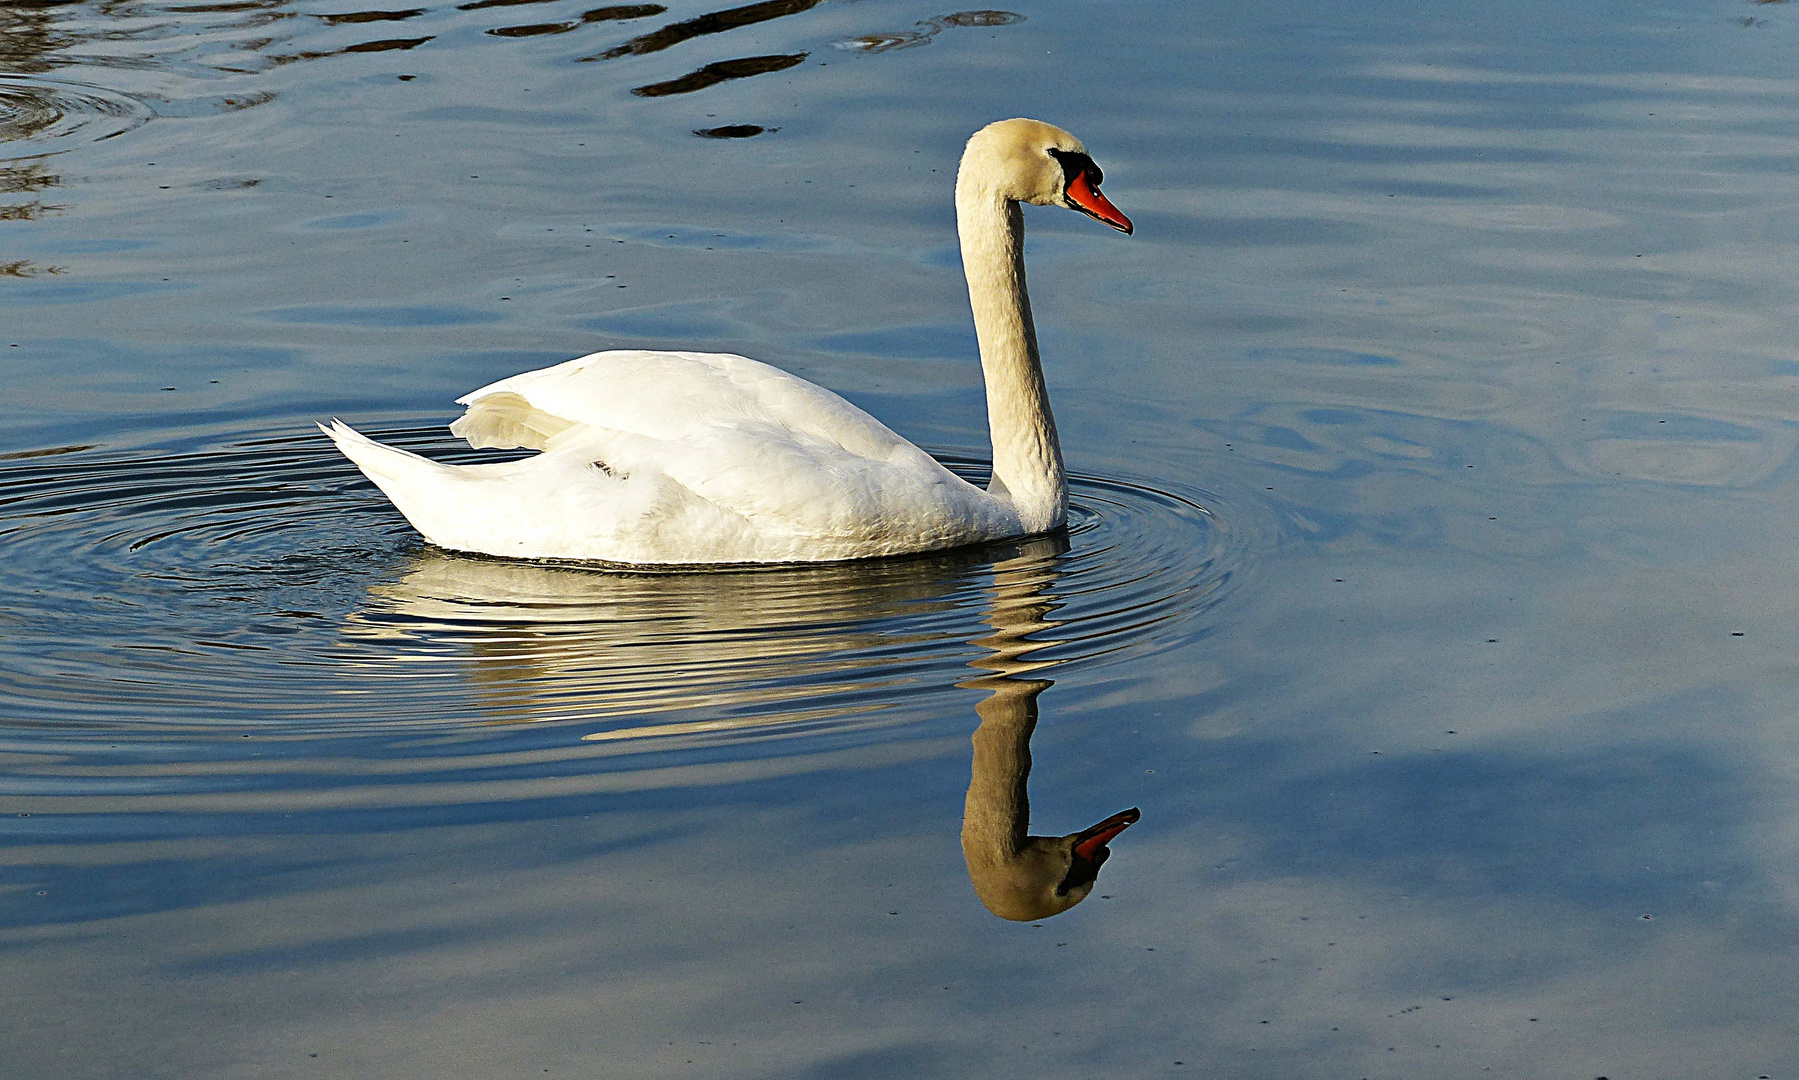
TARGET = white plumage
x,y
662,458
666,458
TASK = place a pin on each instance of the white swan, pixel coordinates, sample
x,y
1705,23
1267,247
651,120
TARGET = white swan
x,y
660,458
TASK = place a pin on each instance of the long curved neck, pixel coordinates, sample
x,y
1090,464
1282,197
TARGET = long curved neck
x,y
1027,456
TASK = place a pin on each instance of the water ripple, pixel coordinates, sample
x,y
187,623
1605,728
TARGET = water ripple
x,y
40,116
219,629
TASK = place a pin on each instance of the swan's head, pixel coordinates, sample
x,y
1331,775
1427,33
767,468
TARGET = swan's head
x,y
1049,874
1031,161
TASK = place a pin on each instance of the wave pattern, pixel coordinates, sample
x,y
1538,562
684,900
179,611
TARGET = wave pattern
x,y
200,628
41,116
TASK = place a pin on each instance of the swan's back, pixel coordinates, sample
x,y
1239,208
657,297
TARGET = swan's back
x,y
669,396
676,458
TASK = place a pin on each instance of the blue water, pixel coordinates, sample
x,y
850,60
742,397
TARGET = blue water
x,y
1430,586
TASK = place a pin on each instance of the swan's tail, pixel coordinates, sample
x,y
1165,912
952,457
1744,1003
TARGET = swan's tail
x,y
555,505
384,464
431,495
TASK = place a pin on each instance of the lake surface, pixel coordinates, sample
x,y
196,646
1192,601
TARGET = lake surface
x,y
1431,584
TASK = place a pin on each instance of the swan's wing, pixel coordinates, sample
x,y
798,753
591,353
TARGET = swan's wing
x,y
784,456
668,397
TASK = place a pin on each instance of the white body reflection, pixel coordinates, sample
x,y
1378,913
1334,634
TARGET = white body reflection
x,y
781,653
744,650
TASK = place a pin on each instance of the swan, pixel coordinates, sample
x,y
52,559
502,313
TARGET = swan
x,y
672,458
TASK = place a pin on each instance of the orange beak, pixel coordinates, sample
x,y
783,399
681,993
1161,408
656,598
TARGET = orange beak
x,y
1089,201
1093,839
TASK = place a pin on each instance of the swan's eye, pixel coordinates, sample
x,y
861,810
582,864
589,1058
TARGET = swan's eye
x,y
1074,164
1082,872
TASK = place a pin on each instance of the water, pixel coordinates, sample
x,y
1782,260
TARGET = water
x,y
1428,587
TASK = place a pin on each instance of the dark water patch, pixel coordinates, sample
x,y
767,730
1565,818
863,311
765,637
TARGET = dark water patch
x,y
383,45
616,13
354,17
723,71
714,23
52,451
533,29
622,12
734,131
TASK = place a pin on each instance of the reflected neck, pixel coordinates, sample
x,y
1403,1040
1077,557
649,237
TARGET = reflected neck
x,y
997,813
1027,456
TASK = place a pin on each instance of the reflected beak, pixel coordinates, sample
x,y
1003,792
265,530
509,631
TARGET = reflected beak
x,y
1087,199
1089,842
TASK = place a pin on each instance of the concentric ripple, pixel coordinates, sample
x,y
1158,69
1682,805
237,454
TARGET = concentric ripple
x,y
252,627
41,116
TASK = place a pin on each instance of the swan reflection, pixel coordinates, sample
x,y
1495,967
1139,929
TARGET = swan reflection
x,y
742,649
681,656
1016,875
